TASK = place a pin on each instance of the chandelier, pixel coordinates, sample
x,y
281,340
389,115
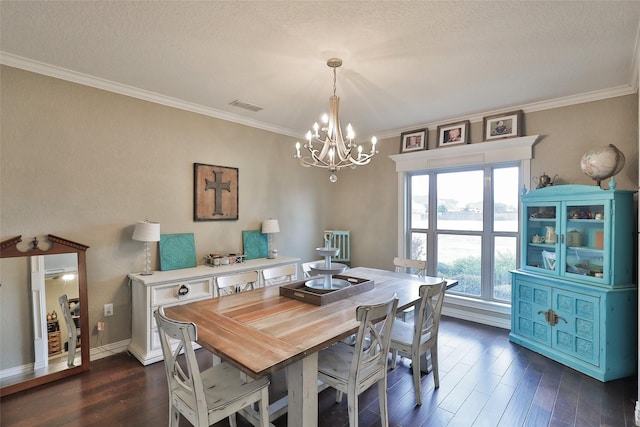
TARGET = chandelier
x,y
328,148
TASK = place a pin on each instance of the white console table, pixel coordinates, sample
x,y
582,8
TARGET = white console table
x,y
177,287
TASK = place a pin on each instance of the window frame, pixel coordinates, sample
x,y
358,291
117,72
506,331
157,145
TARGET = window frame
x,y
495,153
487,234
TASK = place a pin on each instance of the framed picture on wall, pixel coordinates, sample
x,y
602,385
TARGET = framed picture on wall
x,y
414,140
215,193
505,125
453,134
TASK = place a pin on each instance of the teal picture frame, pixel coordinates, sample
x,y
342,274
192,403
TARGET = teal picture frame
x,y
177,251
255,244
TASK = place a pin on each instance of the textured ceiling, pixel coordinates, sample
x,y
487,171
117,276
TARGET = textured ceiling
x,y
406,64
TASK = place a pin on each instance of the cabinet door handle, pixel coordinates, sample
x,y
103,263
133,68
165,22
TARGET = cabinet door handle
x,y
552,317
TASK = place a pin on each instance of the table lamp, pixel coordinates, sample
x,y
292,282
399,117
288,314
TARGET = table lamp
x,y
270,226
146,231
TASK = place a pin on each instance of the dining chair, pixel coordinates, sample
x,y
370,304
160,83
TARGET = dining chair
x,y
415,339
411,266
72,329
204,397
234,283
340,239
353,369
279,275
306,267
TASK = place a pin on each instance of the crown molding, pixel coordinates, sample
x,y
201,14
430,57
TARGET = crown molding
x,y
98,83
566,101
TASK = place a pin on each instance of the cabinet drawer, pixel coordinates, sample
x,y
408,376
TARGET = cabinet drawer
x,y
181,292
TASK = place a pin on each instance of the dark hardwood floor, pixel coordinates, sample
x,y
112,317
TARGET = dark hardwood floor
x,y
484,381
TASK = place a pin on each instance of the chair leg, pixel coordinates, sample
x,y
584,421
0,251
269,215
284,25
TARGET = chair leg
x,y
72,351
264,408
352,406
394,358
434,365
415,360
174,416
232,421
338,396
382,398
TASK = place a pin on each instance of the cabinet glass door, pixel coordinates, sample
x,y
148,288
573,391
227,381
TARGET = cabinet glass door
x,y
585,240
541,238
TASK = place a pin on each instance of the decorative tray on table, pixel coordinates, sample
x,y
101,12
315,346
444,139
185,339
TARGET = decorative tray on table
x,y
318,296
216,260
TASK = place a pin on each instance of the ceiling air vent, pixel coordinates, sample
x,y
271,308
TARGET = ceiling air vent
x,y
246,106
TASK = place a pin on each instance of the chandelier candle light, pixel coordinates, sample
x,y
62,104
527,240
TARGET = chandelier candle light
x,y
327,147
146,232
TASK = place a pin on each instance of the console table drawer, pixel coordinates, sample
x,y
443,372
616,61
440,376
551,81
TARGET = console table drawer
x,y
181,292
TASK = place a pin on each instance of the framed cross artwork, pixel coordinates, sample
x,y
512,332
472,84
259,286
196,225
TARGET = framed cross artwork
x,y
215,193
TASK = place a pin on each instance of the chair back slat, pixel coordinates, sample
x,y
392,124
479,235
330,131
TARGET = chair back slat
x,y
373,337
234,283
413,266
340,239
279,275
428,311
185,383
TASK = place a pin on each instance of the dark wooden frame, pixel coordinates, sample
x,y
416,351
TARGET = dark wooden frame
x,y
404,140
205,205
56,245
512,130
443,133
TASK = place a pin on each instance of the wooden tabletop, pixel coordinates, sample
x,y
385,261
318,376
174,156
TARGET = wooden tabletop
x,y
261,332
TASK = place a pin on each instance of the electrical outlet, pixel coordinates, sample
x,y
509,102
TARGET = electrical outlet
x,y
108,309
101,326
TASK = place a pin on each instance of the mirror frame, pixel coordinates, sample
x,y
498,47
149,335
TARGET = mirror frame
x,y
9,249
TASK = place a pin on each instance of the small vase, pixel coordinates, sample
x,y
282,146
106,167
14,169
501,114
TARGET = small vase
x,y
551,236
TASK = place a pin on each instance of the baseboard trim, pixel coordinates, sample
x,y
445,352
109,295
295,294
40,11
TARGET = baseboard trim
x,y
637,413
107,350
489,313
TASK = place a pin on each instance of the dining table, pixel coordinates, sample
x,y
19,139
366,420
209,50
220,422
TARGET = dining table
x,y
261,332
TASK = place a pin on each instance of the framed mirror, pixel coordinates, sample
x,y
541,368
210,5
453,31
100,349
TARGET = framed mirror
x,y
43,309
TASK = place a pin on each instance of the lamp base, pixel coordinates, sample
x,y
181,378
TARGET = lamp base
x,y
144,273
273,254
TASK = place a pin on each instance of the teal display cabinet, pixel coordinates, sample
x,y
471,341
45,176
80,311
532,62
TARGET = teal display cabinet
x,y
573,299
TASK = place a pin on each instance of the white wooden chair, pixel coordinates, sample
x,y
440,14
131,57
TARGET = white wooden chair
x,y
279,275
206,397
353,369
234,283
306,267
411,266
72,330
415,339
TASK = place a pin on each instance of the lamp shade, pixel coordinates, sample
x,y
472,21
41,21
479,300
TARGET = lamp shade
x,y
270,226
146,231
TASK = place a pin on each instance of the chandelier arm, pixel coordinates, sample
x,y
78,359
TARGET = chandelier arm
x,y
318,160
326,145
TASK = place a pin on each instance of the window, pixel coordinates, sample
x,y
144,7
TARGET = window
x,y
470,219
503,168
